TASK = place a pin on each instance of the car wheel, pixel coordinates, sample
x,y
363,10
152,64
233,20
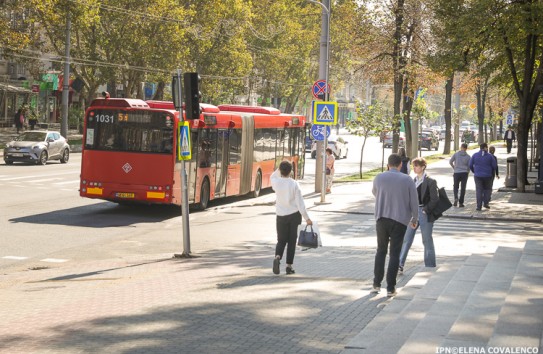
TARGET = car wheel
x,y
9,162
258,185
346,153
43,158
313,154
65,156
204,195
437,147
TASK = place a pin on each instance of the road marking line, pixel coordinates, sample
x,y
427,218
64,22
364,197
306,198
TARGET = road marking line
x,y
40,176
50,179
17,258
68,182
53,260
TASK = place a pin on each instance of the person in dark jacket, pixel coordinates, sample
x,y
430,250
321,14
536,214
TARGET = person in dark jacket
x,y
405,161
509,137
19,119
483,165
428,197
492,151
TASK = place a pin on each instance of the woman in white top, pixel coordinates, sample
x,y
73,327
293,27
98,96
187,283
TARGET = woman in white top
x,y
290,208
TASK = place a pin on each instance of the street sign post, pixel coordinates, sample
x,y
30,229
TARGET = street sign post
x,y
509,120
325,113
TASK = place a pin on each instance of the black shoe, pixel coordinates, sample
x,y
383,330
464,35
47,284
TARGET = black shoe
x,y
290,270
375,289
478,209
276,263
487,206
391,293
455,202
461,205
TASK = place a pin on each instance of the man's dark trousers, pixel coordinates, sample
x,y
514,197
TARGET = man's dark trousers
x,y
509,143
483,190
392,231
460,179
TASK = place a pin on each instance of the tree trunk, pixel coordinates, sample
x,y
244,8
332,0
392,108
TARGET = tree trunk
x,y
159,94
448,116
397,68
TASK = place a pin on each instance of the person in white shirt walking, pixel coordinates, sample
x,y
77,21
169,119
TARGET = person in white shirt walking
x,y
289,207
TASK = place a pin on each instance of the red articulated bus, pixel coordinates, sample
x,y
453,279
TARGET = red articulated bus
x,y
130,151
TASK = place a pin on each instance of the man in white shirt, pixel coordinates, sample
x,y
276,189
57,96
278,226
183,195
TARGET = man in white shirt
x,y
509,137
289,207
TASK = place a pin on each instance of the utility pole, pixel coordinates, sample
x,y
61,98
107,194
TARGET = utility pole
x,y
66,81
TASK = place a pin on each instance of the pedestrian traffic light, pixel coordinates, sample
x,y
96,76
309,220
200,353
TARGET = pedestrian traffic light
x,y
192,95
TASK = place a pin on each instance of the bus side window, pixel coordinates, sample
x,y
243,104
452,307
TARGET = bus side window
x,y
235,147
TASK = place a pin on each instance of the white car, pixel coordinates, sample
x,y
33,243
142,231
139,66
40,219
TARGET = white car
x,y
336,143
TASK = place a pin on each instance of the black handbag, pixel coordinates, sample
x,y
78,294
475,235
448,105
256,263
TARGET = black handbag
x,y
443,205
309,239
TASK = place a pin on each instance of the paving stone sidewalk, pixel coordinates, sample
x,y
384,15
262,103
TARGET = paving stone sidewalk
x,y
225,301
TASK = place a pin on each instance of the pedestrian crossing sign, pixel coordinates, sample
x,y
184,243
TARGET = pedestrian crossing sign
x,y
184,150
325,113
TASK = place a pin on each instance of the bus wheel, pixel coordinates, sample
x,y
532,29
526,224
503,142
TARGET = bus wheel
x,y
204,195
258,185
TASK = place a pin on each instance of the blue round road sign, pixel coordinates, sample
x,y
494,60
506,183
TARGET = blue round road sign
x,y
318,131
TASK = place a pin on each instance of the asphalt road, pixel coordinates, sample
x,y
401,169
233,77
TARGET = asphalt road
x,y
46,223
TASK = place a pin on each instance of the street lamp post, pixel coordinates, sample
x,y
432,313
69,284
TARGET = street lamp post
x,y
324,67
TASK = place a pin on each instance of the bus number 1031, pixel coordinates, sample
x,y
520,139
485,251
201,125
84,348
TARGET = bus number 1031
x,y
104,118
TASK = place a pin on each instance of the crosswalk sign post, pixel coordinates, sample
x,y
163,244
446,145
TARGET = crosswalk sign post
x,y
324,113
183,153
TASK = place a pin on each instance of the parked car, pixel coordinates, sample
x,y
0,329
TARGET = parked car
x,y
387,141
336,143
308,143
428,140
432,131
37,147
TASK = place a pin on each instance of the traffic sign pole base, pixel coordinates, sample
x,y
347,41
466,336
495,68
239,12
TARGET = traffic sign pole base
x,y
185,255
322,203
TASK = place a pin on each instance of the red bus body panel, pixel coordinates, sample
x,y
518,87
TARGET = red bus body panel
x,y
128,173
122,176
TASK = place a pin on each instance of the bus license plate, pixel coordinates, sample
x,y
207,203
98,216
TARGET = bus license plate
x,y
124,195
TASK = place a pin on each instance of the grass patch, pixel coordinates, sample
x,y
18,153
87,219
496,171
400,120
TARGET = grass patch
x,y
366,176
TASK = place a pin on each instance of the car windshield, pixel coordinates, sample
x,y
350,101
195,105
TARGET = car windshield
x,y
31,136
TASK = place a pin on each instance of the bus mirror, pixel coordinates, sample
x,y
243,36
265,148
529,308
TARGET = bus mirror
x,y
176,92
192,95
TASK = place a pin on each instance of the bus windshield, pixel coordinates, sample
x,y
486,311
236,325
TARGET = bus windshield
x,y
127,130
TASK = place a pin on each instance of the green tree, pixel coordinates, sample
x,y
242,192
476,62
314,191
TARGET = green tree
x,y
370,120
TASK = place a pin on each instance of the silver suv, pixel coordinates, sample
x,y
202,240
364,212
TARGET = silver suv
x,y
37,147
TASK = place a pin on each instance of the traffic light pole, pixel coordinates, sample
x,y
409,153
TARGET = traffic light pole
x,y
178,103
324,66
